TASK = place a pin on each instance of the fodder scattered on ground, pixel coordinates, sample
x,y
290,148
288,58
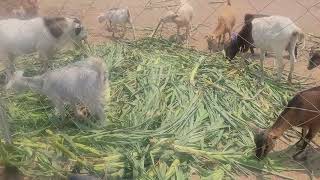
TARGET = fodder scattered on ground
x,y
172,112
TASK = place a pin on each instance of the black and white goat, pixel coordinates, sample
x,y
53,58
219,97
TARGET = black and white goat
x,y
44,35
248,19
273,33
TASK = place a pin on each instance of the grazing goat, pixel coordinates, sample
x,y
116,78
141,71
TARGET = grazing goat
x,y
22,9
314,60
301,111
273,33
117,16
248,19
182,18
226,22
82,83
43,35
27,9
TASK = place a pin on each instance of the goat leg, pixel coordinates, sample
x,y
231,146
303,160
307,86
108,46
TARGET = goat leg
x,y
219,41
59,108
300,155
252,50
292,60
299,144
124,31
188,35
262,57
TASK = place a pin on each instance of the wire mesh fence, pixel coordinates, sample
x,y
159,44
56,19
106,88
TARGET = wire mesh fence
x,y
133,126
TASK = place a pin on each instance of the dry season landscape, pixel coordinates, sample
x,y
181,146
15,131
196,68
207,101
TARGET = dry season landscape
x,y
173,112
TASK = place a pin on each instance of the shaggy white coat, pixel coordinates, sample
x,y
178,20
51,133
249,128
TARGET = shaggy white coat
x,y
274,34
82,83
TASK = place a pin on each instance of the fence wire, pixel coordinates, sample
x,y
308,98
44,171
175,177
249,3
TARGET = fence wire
x,y
200,25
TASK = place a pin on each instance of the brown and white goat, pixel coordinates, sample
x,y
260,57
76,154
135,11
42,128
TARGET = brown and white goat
x,y
303,110
226,22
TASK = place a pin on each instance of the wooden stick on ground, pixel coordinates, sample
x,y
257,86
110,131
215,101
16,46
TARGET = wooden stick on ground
x,y
154,32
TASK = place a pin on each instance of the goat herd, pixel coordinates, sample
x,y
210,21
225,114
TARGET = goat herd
x,y
83,83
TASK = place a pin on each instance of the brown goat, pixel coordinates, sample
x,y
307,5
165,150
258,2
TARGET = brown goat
x,y
11,173
302,111
226,22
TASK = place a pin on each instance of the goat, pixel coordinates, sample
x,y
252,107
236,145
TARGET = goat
x,y
314,60
12,173
248,19
301,111
226,22
44,35
22,9
27,9
117,16
182,18
82,83
273,33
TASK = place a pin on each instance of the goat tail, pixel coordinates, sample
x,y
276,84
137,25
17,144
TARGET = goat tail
x,y
228,2
131,23
300,37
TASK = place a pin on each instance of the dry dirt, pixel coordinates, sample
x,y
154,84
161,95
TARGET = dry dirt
x,y
145,19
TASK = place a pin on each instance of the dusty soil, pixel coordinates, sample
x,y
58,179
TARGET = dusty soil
x,y
146,14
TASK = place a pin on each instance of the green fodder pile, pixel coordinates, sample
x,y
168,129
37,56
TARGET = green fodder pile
x,y
171,113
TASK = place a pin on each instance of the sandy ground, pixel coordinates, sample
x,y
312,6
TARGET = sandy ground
x,y
146,14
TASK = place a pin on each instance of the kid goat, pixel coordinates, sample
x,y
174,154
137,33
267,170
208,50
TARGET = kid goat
x,y
226,22
82,83
43,35
273,33
182,18
302,111
117,16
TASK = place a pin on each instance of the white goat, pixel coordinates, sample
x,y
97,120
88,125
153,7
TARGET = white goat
x,y
26,9
117,16
182,18
273,33
43,35
82,83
